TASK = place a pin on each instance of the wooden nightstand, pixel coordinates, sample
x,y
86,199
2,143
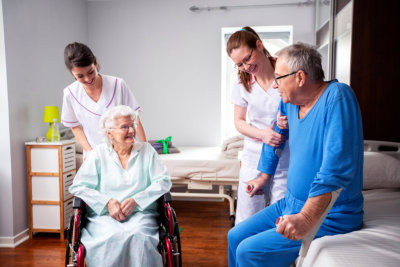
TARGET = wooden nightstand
x,y
51,168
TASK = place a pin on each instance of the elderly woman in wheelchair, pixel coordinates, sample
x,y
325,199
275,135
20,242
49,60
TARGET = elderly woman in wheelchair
x,y
120,181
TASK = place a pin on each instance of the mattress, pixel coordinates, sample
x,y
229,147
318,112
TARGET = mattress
x,y
202,163
376,244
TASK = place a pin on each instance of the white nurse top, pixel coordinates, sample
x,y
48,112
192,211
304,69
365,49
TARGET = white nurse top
x,y
79,109
262,108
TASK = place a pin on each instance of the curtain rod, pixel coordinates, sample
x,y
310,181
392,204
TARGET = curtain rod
x,y
209,8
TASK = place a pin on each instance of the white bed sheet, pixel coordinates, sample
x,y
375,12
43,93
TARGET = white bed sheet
x,y
201,162
376,244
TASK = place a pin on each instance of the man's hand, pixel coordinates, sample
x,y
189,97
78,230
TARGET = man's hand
x,y
298,225
127,206
258,184
115,210
294,226
282,121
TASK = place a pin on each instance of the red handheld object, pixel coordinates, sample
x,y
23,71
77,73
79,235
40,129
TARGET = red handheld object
x,y
249,188
280,218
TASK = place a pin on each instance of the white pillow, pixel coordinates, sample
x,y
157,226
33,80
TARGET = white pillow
x,y
381,171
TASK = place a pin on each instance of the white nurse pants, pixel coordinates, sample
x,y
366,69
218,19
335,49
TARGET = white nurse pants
x,y
248,206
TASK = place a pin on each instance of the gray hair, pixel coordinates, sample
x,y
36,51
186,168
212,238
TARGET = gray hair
x,y
107,120
305,57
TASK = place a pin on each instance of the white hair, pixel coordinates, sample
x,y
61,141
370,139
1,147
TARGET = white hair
x,y
305,57
107,120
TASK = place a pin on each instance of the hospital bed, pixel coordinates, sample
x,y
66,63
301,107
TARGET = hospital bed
x,y
378,242
204,174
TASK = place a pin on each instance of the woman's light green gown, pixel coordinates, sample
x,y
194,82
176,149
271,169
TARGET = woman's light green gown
x,y
132,242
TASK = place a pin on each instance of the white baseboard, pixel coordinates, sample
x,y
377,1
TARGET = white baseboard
x,y
12,242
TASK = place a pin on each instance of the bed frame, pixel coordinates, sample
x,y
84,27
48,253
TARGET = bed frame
x,y
390,148
204,174
197,183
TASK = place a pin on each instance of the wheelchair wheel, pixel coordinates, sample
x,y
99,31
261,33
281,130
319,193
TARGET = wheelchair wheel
x,y
169,251
68,254
81,256
177,241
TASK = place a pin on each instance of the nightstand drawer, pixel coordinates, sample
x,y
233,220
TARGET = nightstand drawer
x,y
45,216
68,156
46,188
44,160
68,178
68,211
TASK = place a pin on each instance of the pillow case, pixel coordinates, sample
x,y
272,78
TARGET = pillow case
x,y
381,171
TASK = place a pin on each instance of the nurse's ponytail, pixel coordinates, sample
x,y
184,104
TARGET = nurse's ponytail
x,y
246,36
78,55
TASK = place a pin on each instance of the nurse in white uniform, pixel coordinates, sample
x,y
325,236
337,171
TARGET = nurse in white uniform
x,y
91,95
254,97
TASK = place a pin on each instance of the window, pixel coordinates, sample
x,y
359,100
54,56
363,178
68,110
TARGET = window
x,y
274,38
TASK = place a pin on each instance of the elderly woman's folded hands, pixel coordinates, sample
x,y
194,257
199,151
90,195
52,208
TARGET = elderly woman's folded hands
x,y
119,211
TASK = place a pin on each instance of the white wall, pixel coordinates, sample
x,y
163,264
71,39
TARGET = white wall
x,y
6,207
170,57
35,34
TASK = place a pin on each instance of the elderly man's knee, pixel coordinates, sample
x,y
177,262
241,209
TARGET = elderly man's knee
x,y
232,236
243,251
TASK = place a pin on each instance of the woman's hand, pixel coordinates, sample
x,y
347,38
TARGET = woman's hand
x,y
127,206
282,121
87,152
115,210
272,138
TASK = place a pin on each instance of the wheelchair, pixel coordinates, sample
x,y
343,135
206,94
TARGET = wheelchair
x,y
169,245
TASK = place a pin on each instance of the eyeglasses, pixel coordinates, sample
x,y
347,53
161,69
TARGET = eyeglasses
x,y
283,76
247,59
126,127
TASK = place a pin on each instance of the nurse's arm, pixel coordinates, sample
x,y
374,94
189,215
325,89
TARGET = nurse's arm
x,y
81,137
298,225
267,135
140,131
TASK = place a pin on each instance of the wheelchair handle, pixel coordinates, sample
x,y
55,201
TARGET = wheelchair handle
x,y
167,197
79,203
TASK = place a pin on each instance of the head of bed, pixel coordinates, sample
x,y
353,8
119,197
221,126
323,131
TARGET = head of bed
x,y
381,165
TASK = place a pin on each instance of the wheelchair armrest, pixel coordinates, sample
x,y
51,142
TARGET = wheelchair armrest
x,y
79,203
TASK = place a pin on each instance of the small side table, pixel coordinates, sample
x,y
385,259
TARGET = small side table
x,y
51,168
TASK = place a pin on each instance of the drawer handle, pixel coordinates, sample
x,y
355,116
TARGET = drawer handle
x,y
69,175
68,147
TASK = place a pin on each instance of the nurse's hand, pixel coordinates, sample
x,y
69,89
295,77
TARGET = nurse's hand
x,y
87,152
128,205
282,121
257,185
270,137
114,208
294,226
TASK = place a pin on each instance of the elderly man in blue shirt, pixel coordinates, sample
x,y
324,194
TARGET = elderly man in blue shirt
x,y
326,144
